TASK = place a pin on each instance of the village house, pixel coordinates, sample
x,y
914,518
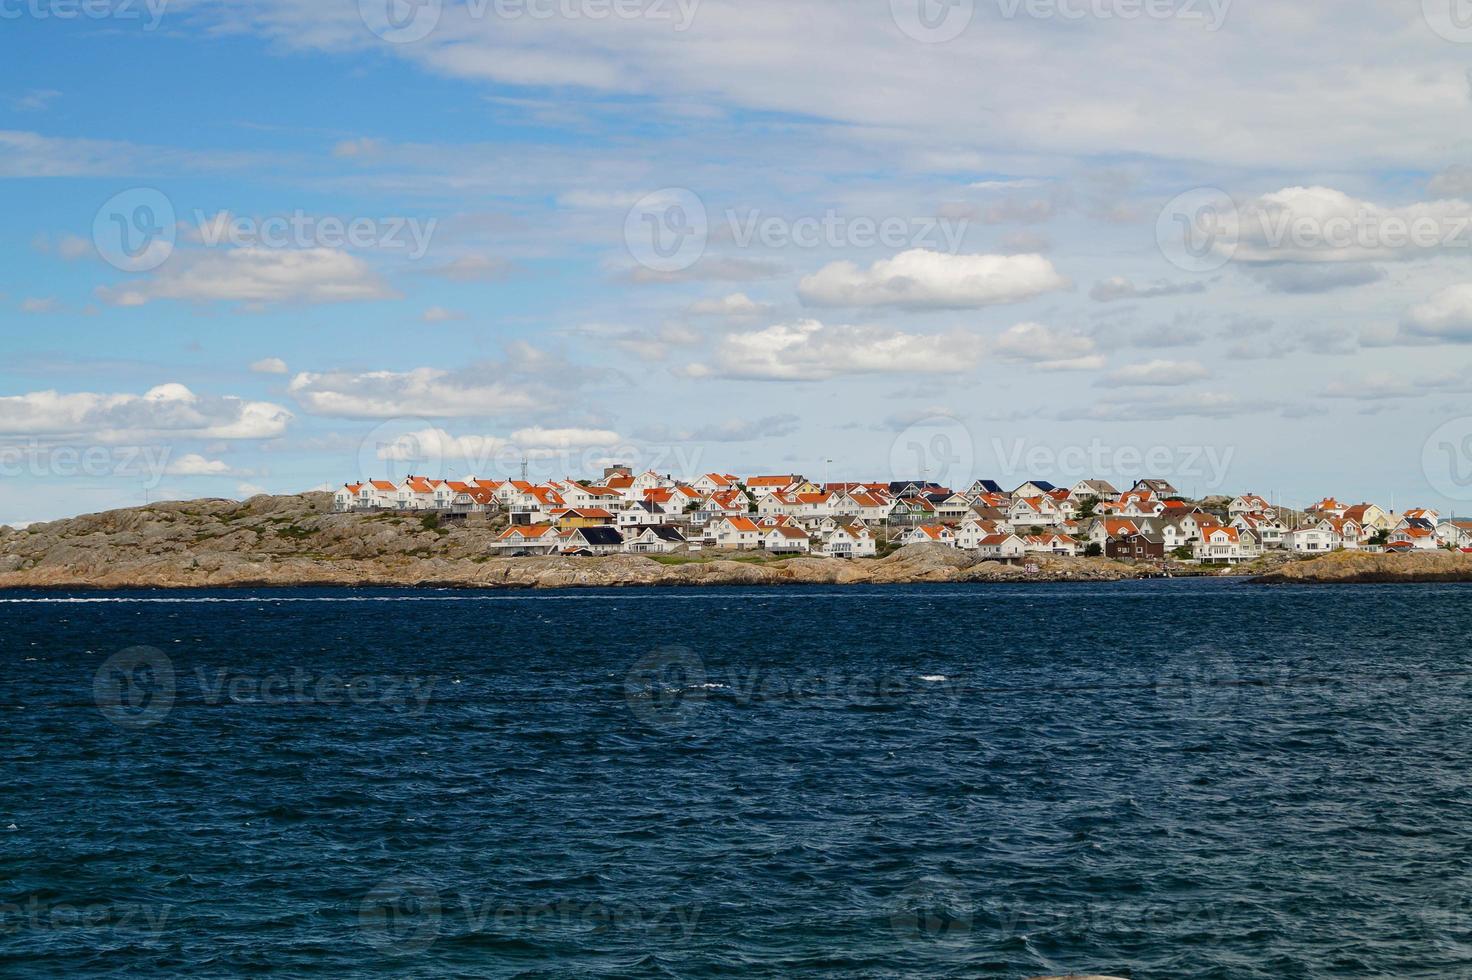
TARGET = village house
x,y
1139,546
1220,544
1309,540
712,482
654,539
1455,533
760,486
1156,488
848,541
786,538
740,533
1100,490
929,534
1248,503
1001,547
1051,544
589,540
529,539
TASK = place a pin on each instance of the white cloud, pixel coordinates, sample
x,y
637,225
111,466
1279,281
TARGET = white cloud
x,y
256,276
807,350
169,410
1048,349
420,392
1159,373
35,304
1322,225
1447,315
440,314
193,464
479,453
436,443
1216,405
1119,288
244,491
269,365
922,279
734,305
565,438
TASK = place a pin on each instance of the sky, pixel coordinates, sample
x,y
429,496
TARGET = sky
x,y
283,245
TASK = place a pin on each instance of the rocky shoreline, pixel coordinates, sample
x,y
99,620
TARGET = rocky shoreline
x,y
299,541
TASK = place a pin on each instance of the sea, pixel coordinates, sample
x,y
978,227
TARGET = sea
x,y
1165,779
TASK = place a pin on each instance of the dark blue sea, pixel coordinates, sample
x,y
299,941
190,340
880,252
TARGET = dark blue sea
x,y
1171,779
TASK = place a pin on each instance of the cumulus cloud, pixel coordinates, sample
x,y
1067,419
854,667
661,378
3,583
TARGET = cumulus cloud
x,y
734,305
268,365
1047,349
169,410
808,350
256,276
923,279
1447,315
481,453
1158,374
193,464
565,438
1119,288
422,391
1324,225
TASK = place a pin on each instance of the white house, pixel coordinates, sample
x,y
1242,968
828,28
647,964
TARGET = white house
x,y
656,539
849,541
1098,489
735,532
929,534
1248,503
1455,533
1050,544
1309,540
532,539
1002,546
1226,544
786,538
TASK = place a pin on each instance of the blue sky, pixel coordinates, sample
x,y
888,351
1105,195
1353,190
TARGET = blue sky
x,y
1029,309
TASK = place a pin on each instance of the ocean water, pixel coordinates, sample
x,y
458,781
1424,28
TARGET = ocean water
x,y
1171,779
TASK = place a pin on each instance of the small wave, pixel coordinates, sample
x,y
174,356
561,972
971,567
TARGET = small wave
x,y
934,678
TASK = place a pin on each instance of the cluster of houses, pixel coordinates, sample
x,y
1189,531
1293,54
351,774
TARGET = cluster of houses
x,y
647,513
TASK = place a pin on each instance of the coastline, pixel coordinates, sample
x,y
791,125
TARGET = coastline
x,y
270,542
